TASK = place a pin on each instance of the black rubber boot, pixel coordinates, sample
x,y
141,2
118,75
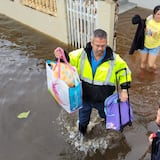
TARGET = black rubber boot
x,y
83,129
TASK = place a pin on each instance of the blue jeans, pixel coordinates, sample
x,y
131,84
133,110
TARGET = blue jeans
x,y
153,51
85,112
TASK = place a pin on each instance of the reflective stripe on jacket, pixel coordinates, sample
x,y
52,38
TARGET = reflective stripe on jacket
x,y
102,84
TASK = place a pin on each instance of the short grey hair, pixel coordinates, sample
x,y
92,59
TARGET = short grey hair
x,y
100,33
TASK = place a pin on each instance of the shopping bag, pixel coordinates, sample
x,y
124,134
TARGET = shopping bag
x,y
64,72
67,93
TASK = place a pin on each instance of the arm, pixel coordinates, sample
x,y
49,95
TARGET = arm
x,y
124,95
151,136
124,78
124,91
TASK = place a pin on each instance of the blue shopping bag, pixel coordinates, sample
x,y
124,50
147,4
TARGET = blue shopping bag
x,y
75,97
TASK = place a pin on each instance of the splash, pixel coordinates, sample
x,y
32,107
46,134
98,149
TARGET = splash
x,y
98,138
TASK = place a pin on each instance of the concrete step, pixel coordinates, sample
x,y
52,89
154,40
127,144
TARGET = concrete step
x,y
123,7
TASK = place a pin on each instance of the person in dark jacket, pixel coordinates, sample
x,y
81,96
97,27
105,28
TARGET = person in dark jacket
x,y
154,140
96,65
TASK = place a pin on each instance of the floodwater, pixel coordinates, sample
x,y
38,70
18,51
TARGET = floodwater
x,y
23,88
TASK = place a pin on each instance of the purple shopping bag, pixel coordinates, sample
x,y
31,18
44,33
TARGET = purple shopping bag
x,y
118,114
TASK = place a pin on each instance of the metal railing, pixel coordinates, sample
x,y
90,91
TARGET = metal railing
x,y
82,21
45,6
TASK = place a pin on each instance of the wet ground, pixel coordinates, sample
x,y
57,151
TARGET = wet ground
x,y
23,87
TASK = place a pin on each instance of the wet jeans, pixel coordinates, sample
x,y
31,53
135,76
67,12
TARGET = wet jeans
x,y
85,112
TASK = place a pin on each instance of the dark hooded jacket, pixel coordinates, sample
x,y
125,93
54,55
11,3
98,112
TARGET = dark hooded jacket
x,y
138,41
155,152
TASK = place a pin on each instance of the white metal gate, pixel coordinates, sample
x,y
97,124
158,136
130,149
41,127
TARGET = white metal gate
x,y
82,21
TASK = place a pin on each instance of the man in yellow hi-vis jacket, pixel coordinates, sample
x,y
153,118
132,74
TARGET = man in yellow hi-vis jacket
x,y
96,65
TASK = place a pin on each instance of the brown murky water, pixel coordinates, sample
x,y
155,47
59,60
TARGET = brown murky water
x,y
23,52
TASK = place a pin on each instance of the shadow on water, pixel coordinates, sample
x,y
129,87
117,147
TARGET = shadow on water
x,y
47,132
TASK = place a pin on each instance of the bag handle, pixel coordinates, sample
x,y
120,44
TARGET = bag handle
x,y
125,69
117,81
63,57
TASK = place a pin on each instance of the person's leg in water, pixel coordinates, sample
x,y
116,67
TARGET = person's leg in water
x,y
100,108
143,58
143,63
153,54
152,67
84,117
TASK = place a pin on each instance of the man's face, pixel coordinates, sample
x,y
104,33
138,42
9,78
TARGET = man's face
x,y
99,45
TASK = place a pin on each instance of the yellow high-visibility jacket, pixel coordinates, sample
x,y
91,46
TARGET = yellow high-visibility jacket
x,y
97,87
